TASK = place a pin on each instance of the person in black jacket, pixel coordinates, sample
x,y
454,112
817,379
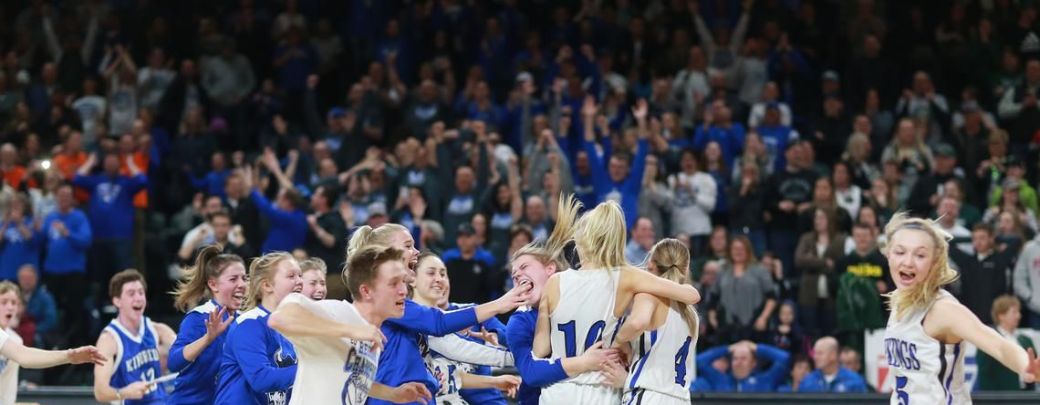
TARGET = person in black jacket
x,y
790,193
985,275
924,197
327,237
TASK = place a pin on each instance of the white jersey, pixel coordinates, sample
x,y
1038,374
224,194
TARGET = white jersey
x,y
663,360
583,316
8,370
926,370
332,370
449,375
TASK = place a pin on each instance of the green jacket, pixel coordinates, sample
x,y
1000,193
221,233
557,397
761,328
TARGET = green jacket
x,y
993,376
1026,194
858,303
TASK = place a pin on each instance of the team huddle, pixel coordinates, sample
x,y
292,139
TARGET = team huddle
x,y
587,330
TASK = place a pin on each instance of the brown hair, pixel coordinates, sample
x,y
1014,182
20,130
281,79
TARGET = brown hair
x,y
115,286
209,264
1001,305
364,266
672,260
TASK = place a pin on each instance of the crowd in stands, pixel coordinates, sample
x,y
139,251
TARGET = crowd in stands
x,y
774,137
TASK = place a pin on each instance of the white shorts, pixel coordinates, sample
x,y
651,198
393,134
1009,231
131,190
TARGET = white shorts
x,y
642,396
567,393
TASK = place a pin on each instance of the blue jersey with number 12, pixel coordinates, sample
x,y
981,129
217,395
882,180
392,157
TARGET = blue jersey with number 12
x,y
137,359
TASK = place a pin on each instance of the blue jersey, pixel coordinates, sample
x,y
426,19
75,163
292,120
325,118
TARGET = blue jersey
x,y
488,396
197,381
535,373
258,364
402,358
137,359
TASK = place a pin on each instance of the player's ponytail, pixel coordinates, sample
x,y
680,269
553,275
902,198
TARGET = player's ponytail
x,y
672,260
552,249
600,234
358,240
209,264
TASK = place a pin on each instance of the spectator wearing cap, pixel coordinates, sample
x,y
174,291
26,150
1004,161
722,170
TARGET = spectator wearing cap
x,y
925,194
970,137
984,275
337,128
377,214
1014,179
111,212
471,269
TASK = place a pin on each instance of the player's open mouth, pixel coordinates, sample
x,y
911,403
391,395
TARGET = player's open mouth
x,y
399,304
298,288
526,283
138,308
906,276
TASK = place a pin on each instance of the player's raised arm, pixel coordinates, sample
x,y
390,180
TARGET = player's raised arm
x,y
640,281
953,318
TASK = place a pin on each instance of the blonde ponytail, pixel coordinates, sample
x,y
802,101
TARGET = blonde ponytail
x,y
672,260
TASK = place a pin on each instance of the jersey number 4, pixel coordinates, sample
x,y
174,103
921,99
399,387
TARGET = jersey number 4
x,y
590,338
680,362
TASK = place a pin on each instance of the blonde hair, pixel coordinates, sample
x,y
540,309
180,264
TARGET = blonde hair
x,y
600,235
901,301
367,236
260,270
314,264
672,260
209,264
7,286
552,249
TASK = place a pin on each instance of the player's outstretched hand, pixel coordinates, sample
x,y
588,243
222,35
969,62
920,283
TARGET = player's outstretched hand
x,y
411,392
508,384
614,374
367,333
136,390
216,324
86,354
1032,371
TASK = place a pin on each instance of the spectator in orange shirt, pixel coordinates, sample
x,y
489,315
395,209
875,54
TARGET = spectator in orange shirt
x,y
13,173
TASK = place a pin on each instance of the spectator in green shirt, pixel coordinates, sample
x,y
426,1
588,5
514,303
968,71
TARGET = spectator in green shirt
x,y
992,375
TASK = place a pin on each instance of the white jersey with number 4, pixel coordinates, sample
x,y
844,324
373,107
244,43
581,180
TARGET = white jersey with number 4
x,y
926,371
583,316
8,370
332,370
663,363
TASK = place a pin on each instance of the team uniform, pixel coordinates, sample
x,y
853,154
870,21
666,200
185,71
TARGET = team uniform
x,y
487,396
451,355
926,370
662,370
195,383
583,316
137,359
258,364
406,344
535,373
8,370
332,370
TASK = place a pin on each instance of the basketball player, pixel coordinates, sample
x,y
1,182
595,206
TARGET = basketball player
x,y
220,280
314,272
406,341
461,383
339,342
258,364
925,332
662,368
579,308
532,265
135,344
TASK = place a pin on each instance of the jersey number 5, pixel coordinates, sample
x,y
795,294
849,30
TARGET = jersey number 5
x,y
904,397
590,338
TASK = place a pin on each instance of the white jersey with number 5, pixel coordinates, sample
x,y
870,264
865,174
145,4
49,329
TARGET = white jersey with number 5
x,y
926,371
583,316
332,370
663,363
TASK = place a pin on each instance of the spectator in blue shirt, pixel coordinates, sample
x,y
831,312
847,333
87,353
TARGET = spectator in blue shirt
x,y
622,181
742,376
68,237
288,220
213,182
19,238
829,375
111,212
719,127
40,308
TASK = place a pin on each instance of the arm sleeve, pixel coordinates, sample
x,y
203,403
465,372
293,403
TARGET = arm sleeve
x,y
1021,277
80,234
268,209
434,322
635,176
137,183
456,348
599,173
249,353
191,329
778,357
87,182
495,325
535,372
707,194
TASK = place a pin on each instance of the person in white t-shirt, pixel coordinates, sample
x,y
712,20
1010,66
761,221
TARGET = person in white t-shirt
x,y
338,343
14,355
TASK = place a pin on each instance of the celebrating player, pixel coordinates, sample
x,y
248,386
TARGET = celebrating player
x,y
927,325
532,265
403,357
258,364
662,368
461,383
314,272
195,355
339,342
135,343
579,308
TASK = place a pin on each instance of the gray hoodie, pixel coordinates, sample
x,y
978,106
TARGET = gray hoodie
x,y
1027,275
